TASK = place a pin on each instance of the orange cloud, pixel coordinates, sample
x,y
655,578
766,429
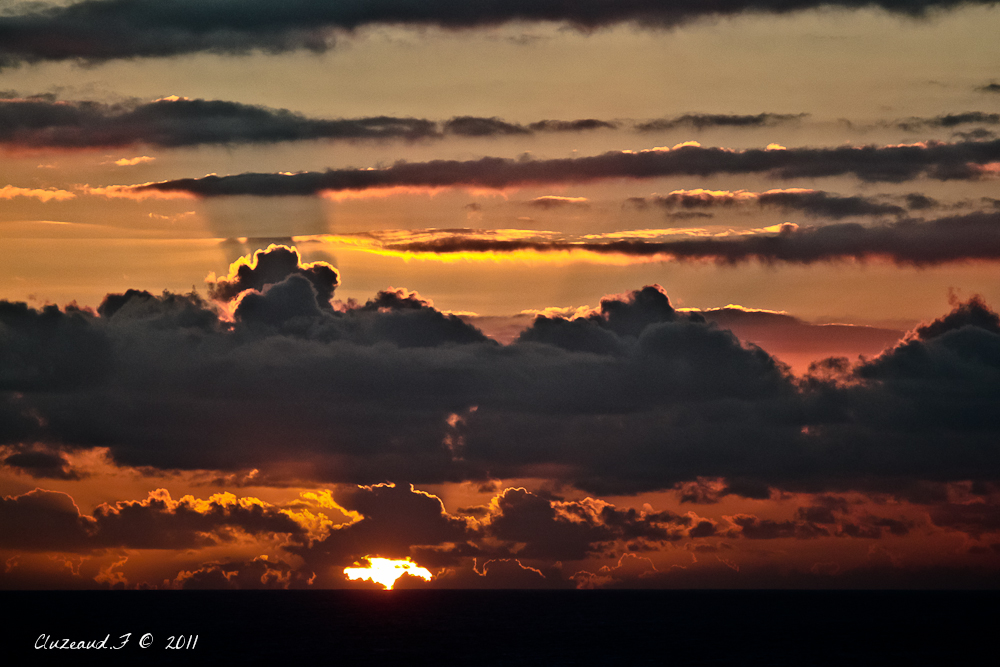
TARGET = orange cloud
x,y
47,194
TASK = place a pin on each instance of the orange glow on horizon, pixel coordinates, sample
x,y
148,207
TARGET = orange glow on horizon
x,y
386,571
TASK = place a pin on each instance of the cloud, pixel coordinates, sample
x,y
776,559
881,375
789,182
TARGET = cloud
x,y
702,121
101,30
627,397
50,520
990,88
174,121
942,161
42,463
949,120
556,201
580,125
906,242
813,203
470,126
272,266
46,194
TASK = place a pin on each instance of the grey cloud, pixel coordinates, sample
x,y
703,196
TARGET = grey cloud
x,y
702,121
40,123
942,161
580,125
813,203
273,265
907,242
471,126
949,120
634,397
50,520
99,30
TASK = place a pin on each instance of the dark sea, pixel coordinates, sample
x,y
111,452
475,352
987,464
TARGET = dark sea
x,y
523,628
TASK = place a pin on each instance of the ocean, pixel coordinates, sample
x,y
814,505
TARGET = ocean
x,y
500,628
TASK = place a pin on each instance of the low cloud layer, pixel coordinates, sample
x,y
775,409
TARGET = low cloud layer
x,y
99,30
629,397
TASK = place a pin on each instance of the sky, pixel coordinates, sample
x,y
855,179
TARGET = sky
x,y
635,294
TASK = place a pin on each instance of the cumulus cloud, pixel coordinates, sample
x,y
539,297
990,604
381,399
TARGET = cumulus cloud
x,y
630,396
106,29
50,520
271,266
942,161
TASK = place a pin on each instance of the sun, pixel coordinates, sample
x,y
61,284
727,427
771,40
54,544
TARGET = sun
x,y
386,571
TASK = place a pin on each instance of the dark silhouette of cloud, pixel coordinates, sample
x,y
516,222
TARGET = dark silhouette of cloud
x,y
941,161
50,520
949,120
907,242
471,126
272,266
171,122
99,30
702,121
990,88
630,397
42,121
581,125
813,203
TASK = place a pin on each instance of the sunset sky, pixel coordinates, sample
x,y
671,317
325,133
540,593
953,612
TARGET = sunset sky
x,y
597,294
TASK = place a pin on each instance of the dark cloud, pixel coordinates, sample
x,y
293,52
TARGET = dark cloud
x,y
261,573
392,521
942,161
975,236
41,123
990,88
271,266
42,463
553,201
98,30
471,126
49,520
580,125
633,396
916,201
949,120
813,203
702,121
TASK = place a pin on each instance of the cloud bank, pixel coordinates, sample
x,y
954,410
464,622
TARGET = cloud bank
x,y
632,396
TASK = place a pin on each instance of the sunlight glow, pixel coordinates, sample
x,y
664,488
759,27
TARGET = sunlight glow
x,y
386,571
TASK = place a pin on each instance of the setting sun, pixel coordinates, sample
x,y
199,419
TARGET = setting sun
x,y
386,571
